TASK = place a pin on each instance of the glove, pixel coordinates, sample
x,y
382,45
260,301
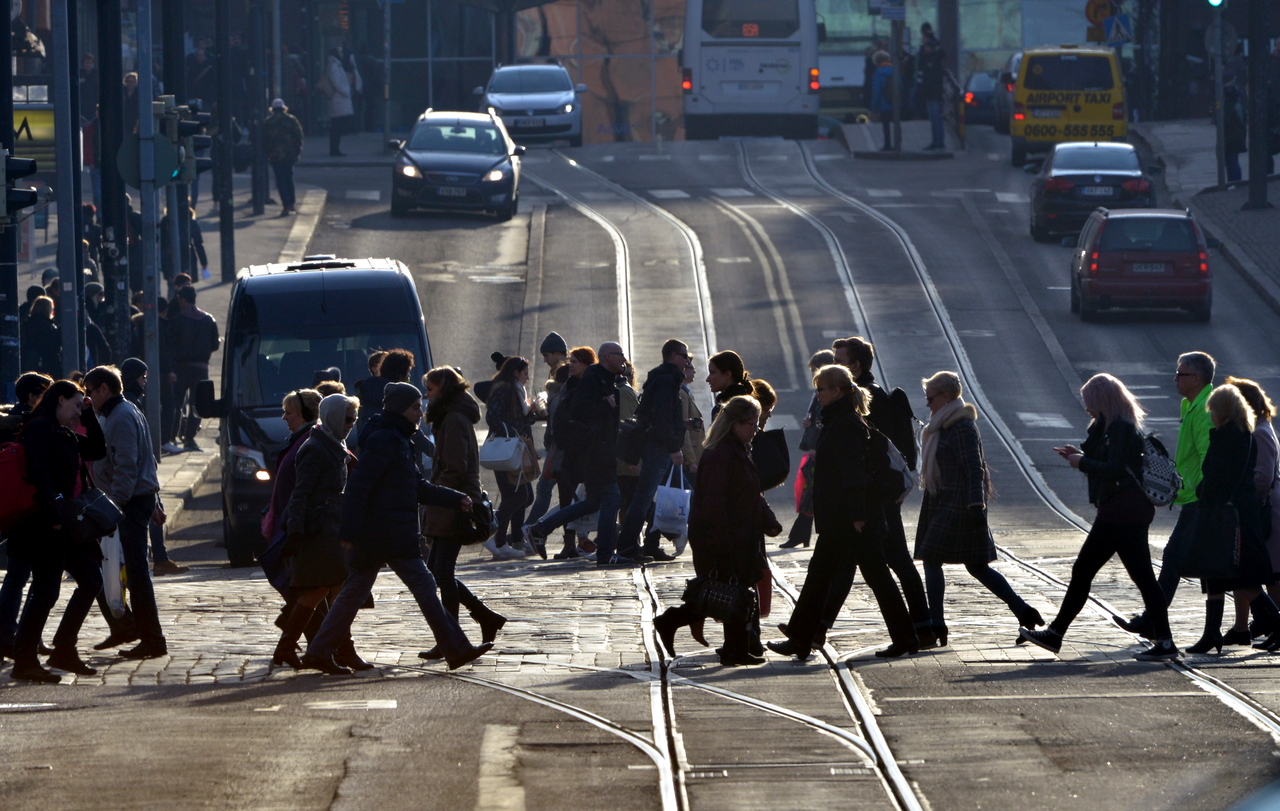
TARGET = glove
x,y
979,514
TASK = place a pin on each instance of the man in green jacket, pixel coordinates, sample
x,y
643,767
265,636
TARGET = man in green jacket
x,y
282,137
1194,381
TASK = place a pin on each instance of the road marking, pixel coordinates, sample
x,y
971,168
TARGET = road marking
x,y
274,708
976,333
1012,197
714,157
883,193
445,278
996,210
607,159
827,157
669,194
597,196
1064,288
499,789
732,192
1043,420
655,157
972,191
843,215
954,194
733,260
994,156
802,191
1152,386
497,279
362,194
354,704
773,158
26,707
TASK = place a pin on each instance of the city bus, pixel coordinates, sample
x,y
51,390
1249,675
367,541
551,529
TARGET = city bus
x,y
750,68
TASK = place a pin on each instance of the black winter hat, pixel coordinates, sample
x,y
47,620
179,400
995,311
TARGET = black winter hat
x,y
397,397
131,370
553,343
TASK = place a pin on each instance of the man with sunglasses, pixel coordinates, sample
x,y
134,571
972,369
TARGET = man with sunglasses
x,y
1194,381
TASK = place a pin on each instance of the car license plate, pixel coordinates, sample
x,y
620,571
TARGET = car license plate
x,y
1149,267
451,191
1097,191
755,86
531,122
1045,112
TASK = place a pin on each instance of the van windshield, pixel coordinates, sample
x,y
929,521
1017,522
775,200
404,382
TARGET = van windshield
x,y
1068,72
1148,234
738,19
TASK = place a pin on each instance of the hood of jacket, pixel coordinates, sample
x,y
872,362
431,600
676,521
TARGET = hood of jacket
x,y
454,399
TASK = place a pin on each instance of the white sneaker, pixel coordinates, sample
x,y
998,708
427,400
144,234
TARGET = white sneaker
x,y
493,549
586,555
509,552
170,448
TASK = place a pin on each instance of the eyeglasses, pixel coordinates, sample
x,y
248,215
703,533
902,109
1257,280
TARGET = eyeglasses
x,y
820,389
928,398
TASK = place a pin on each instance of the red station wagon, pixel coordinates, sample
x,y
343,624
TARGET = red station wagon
x,y
1141,258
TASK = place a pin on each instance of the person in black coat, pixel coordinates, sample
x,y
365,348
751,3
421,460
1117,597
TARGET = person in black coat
x,y
590,452
41,339
1112,459
728,521
849,517
380,527
1239,564
57,464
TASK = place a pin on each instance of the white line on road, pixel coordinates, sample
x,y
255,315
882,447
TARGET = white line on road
x,y
669,194
1043,420
655,157
354,704
499,790
705,157
732,193
733,260
364,194
827,157
1012,197
883,193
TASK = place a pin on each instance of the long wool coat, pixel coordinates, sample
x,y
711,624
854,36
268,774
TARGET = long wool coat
x,y
947,532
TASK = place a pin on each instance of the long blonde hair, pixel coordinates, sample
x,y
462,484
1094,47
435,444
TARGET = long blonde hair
x,y
839,377
743,408
1227,405
1112,400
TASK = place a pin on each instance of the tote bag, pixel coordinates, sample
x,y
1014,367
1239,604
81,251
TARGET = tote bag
x,y
503,452
671,504
113,574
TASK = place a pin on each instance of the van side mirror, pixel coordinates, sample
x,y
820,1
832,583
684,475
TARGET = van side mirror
x,y
1006,78
1068,242
822,32
394,144
580,88
479,91
1211,242
208,406
520,149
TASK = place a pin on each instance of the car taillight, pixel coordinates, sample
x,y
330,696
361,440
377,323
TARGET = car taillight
x,y
813,80
1058,184
1008,88
968,98
1135,186
1117,112
1204,262
686,83
1019,111
1093,263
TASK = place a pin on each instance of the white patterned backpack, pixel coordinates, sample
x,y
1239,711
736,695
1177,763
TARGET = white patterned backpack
x,y
1159,477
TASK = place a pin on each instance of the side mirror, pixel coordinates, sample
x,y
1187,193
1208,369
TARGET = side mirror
x,y
580,88
207,405
1155,170
1068,242
1211,242
394,144
520,149
479,91
822,32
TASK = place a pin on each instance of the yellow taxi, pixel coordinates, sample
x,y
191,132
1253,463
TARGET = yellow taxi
x,y
1066,93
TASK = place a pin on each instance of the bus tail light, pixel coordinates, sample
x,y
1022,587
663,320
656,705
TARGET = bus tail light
x,y
1019,111
814,85
686,82
1117,111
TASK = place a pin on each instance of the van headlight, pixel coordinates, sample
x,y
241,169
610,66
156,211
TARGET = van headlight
x,y
568,108
495,175
246,463
409,170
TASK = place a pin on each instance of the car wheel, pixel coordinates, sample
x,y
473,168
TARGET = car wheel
x,y
1018,156
1075,297
399,208
1038,232
239,544
1088,310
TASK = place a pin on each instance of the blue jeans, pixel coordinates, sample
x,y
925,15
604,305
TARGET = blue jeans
x,y
15,583
602,496
936,586
1233,167
655,464
414,574
1176,550
935,123
284,183
133,542
541,499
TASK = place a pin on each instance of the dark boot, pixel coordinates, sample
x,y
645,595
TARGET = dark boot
x,y
317,619
286,652
490,622
1212,636
346,656
1269,616
570,546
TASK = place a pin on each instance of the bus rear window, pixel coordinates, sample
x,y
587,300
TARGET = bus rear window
x,y
747,19
1068,72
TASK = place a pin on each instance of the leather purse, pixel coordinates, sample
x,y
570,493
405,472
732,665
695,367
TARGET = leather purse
x,y
725,602
480,524
96,516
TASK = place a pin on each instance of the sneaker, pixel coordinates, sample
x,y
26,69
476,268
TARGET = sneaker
x,y
535,539
168,567
587,556
618,560
1046,638
510,552
658,555
170,448
1163,650
191,445
1139,625
492,546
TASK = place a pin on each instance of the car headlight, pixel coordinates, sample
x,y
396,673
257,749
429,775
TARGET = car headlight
x,y
409,170
495,175
568,108
246,463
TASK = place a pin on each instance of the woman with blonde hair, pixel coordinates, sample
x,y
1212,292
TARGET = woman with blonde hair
x,y
849,517
728,520
1229,504
953,516
1111,458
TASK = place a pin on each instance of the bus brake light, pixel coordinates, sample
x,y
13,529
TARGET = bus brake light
x,y
686,83
1019,111
814,85
968,98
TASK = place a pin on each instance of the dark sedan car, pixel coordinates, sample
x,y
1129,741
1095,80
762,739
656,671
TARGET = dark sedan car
x,y
1076,178
458,161
980,97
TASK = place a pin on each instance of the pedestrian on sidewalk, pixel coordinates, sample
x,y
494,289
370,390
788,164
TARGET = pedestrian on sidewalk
x,y
727,377
341,110
510,413
282,137
379,527
588,423
802,527
1194,381
728,521
953,524
453,414
628,474
196,334
930,64
883,91
1235,138
311,520
129,476
1111,459
1238,563
57,458
662,415
849,516
41,339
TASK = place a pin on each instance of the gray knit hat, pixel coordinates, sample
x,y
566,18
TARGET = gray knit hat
x,y
397,397
553,343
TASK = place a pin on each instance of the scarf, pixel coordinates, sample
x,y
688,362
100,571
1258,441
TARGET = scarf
x,y
942,418
522,396
333,418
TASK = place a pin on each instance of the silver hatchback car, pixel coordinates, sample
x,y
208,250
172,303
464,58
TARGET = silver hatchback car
x,y
535,103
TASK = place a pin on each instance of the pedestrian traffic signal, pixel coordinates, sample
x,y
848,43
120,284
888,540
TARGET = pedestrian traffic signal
x,y
191,130
11,170
168,125
1215,3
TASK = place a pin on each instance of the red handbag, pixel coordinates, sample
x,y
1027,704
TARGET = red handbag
x,y
17,495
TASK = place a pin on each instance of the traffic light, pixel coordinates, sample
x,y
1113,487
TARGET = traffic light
x,y
11,170
1215,3
168,122
191,129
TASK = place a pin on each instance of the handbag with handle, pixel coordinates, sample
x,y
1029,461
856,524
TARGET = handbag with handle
x,y
725,602
503,452
480,524
529,468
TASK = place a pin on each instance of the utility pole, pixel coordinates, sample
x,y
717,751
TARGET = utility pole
x,y
896,44
77,167
65,121
115,232
1218,108
177,197
150,267
1259,98
10,340
386,73
257,89
222,189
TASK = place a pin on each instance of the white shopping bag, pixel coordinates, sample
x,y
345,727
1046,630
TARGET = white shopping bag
x,y
113,573
671,504
587,524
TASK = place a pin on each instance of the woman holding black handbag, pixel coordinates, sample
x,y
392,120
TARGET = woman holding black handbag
x,y
728,520
802,529
1227,552
453,414
57,458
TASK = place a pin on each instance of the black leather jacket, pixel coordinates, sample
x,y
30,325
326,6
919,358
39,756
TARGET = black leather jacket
x,y
1112,458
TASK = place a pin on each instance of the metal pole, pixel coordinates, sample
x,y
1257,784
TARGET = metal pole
x,y
277,82
386,73
68,307
150,271
222,143
257,71
77,173
172,258
175,84
1218,110
895,37
1259,99
10,341
115,242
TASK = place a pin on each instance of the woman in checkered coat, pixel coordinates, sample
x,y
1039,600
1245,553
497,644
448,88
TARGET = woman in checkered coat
x,y
953,518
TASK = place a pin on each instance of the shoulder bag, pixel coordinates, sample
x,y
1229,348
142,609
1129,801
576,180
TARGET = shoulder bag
x,y
96,515
721,601
480,524
503,452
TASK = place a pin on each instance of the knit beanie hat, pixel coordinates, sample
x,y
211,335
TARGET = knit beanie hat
x,y
397,397
553,343
131,370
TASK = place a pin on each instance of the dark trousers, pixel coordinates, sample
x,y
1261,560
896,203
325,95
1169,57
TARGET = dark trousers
x,y
283,171
515,498
133,542
1177,549
1129,541
15,583
935,583
602,496
898,558
184,398
442,562
339,126
887,125
81,562
836,556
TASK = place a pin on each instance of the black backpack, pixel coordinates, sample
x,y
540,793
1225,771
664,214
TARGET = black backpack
x,y
901,429
887,469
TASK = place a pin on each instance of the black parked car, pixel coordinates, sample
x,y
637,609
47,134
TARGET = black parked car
x,y
980,97
1076,178
459,161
